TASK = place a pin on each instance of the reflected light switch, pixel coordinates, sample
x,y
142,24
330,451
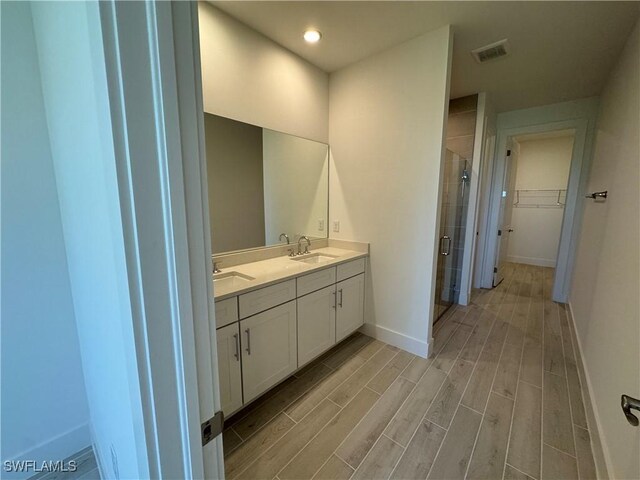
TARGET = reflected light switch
x,y
321,224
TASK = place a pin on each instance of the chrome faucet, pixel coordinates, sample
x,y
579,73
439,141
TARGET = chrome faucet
x,y
285,236
215,267
306,249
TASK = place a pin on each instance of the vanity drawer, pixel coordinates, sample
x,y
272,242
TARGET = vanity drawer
x,y
265,298
316,280
226,312
350,269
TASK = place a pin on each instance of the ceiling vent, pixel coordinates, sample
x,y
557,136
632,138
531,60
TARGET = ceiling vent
x,y
491,52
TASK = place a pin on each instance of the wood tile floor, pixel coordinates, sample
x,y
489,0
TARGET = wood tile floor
x,y
499,399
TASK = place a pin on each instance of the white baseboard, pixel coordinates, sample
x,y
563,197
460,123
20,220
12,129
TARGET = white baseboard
x,y
97,453
57,448
540,262
601,455
400,340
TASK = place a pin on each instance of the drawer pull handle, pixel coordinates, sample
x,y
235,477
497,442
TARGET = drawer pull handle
x,y
248,332
236,339
334,300
340,302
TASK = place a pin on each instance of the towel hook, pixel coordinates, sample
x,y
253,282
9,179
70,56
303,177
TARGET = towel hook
x,y
602,194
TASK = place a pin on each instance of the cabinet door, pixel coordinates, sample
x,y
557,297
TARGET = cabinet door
x,y
316,323
269,350
228,340
350,306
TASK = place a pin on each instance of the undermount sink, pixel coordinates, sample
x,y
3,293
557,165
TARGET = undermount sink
x,y
314,258
230,279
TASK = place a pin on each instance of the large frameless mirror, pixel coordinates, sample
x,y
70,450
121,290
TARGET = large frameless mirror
x,y
263,184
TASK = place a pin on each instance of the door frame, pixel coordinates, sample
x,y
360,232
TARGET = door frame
x,y
512,156
477,165
580,159
155,95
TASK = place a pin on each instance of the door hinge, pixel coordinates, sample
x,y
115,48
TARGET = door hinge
x,y
499,233
495,269
212,427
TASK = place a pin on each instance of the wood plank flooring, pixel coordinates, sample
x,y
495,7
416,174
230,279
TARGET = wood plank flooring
x,y
500,398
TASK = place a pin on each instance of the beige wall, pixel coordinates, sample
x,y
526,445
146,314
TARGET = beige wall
x,y
235,179
604,293
387,122
543,164
247,77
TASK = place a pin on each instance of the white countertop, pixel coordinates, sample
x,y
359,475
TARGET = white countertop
x,y
278,269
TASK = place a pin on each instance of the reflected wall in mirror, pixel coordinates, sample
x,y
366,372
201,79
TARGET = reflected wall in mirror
x,y
263,183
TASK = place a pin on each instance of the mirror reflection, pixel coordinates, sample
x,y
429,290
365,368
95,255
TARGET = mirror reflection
x,y
263,184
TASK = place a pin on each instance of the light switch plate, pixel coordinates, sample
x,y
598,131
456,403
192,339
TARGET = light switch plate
x,y
321,224
336,225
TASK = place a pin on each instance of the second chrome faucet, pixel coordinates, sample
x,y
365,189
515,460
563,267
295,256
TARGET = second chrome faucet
x,y
306,249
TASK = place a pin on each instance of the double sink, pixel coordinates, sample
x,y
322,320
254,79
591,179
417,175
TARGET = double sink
x,y
236,279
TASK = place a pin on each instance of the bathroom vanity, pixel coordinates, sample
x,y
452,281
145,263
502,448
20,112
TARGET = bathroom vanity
x,y
274,316
284,292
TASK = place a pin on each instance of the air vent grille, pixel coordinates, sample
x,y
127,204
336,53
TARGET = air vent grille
x,y
491,52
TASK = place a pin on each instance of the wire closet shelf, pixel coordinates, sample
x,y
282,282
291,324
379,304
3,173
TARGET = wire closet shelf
x,y
540,198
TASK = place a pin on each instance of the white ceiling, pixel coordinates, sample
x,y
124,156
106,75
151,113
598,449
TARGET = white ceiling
x,y
559,50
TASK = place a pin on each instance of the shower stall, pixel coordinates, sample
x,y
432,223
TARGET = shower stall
x,y
453,218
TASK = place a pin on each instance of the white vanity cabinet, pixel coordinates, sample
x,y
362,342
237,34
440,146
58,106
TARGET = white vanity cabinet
x,y
316,323
229,371
269,349
349,306
266,334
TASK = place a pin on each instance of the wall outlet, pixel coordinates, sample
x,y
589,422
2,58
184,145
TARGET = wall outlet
x,y
336,225
321,224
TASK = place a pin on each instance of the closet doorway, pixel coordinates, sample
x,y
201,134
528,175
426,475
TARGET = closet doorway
x,y
533,199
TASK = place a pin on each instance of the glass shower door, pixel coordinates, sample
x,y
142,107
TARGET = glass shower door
x,y
453,216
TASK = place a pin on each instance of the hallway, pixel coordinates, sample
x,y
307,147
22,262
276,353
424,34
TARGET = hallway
x,y
369,410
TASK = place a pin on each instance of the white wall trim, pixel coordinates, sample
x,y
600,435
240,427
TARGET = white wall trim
x,y
405,342
580,116
152,57
59,447
601,454
477,163
483,204
540,262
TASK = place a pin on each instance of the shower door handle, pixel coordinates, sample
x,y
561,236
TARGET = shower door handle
x,y
447,239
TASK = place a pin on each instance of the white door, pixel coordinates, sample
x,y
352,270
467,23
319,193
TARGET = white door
x,y
229,371
269,349
504,217
316,323
350,306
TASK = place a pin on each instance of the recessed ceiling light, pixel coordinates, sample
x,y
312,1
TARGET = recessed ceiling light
x,y
312,36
